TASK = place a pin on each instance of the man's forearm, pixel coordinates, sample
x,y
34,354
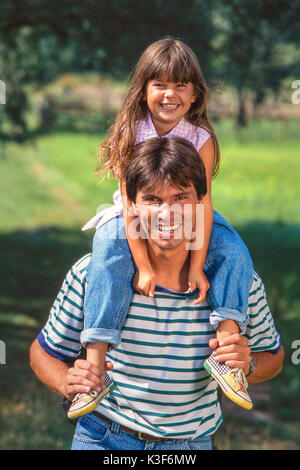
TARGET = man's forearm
x,y
267,366
48,369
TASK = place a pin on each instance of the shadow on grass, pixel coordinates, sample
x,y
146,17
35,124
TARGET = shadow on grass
x,y
33,265
275,249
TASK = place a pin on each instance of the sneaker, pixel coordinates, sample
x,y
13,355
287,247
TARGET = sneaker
x,y
84,403
232,381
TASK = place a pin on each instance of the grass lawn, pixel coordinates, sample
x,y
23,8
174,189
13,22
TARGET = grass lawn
x,y
48,191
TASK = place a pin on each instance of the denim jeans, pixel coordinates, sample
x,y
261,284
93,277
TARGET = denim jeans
x,y
92,433
228,267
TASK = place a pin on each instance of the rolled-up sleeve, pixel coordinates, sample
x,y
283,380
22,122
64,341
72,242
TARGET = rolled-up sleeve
x,y
261,331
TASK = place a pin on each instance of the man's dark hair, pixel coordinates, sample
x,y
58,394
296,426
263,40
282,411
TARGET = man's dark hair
x,y
161,160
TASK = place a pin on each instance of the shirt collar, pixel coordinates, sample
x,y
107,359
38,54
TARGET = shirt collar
x,y
179,130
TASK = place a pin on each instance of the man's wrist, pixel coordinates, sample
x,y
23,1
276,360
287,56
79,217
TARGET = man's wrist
x,y
62,380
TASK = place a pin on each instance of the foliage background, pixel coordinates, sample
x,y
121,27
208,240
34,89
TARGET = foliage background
x,y
66,66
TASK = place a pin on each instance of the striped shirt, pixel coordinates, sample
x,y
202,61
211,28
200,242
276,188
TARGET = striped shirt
x,y
162,388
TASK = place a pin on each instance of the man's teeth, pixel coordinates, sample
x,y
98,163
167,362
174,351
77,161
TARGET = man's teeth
x,y
168,228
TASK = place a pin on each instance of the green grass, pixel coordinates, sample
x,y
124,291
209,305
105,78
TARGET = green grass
x,y
259,173
51,181
49,190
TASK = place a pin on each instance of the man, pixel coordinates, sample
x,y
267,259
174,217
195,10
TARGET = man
x,y
164,398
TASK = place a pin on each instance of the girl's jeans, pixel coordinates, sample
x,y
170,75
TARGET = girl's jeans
x,y
228,268
92,433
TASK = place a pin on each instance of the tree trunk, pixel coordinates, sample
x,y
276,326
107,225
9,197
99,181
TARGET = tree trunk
x,y
241,117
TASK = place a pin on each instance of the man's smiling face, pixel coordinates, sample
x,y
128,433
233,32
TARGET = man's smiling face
x,y
167,214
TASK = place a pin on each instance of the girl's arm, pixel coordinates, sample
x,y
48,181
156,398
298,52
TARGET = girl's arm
x,y
144,280
197,277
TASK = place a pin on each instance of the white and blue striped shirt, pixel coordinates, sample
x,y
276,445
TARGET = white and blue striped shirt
x,y
162,388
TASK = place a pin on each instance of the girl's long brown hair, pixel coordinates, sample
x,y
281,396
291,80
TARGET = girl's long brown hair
x,y
173,60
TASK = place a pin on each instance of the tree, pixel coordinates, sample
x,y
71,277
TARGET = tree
x,y
253,35
38,41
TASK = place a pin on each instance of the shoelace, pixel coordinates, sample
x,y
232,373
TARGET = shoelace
x,y
78,395
240,377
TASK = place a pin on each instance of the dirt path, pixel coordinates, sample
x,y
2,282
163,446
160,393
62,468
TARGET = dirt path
x,y
58,192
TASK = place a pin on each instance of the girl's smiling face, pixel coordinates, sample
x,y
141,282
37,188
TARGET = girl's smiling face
x,y
168,102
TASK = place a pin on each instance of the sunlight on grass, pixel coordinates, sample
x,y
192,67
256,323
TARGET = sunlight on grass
x,y
52,183
17,319
259,175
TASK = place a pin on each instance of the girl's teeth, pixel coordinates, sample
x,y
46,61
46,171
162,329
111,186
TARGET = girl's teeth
x,y
169,106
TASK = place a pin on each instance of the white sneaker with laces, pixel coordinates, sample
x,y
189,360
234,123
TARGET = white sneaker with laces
x,y
84,403
232,381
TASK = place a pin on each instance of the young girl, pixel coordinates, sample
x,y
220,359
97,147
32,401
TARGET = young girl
x,y
167,97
